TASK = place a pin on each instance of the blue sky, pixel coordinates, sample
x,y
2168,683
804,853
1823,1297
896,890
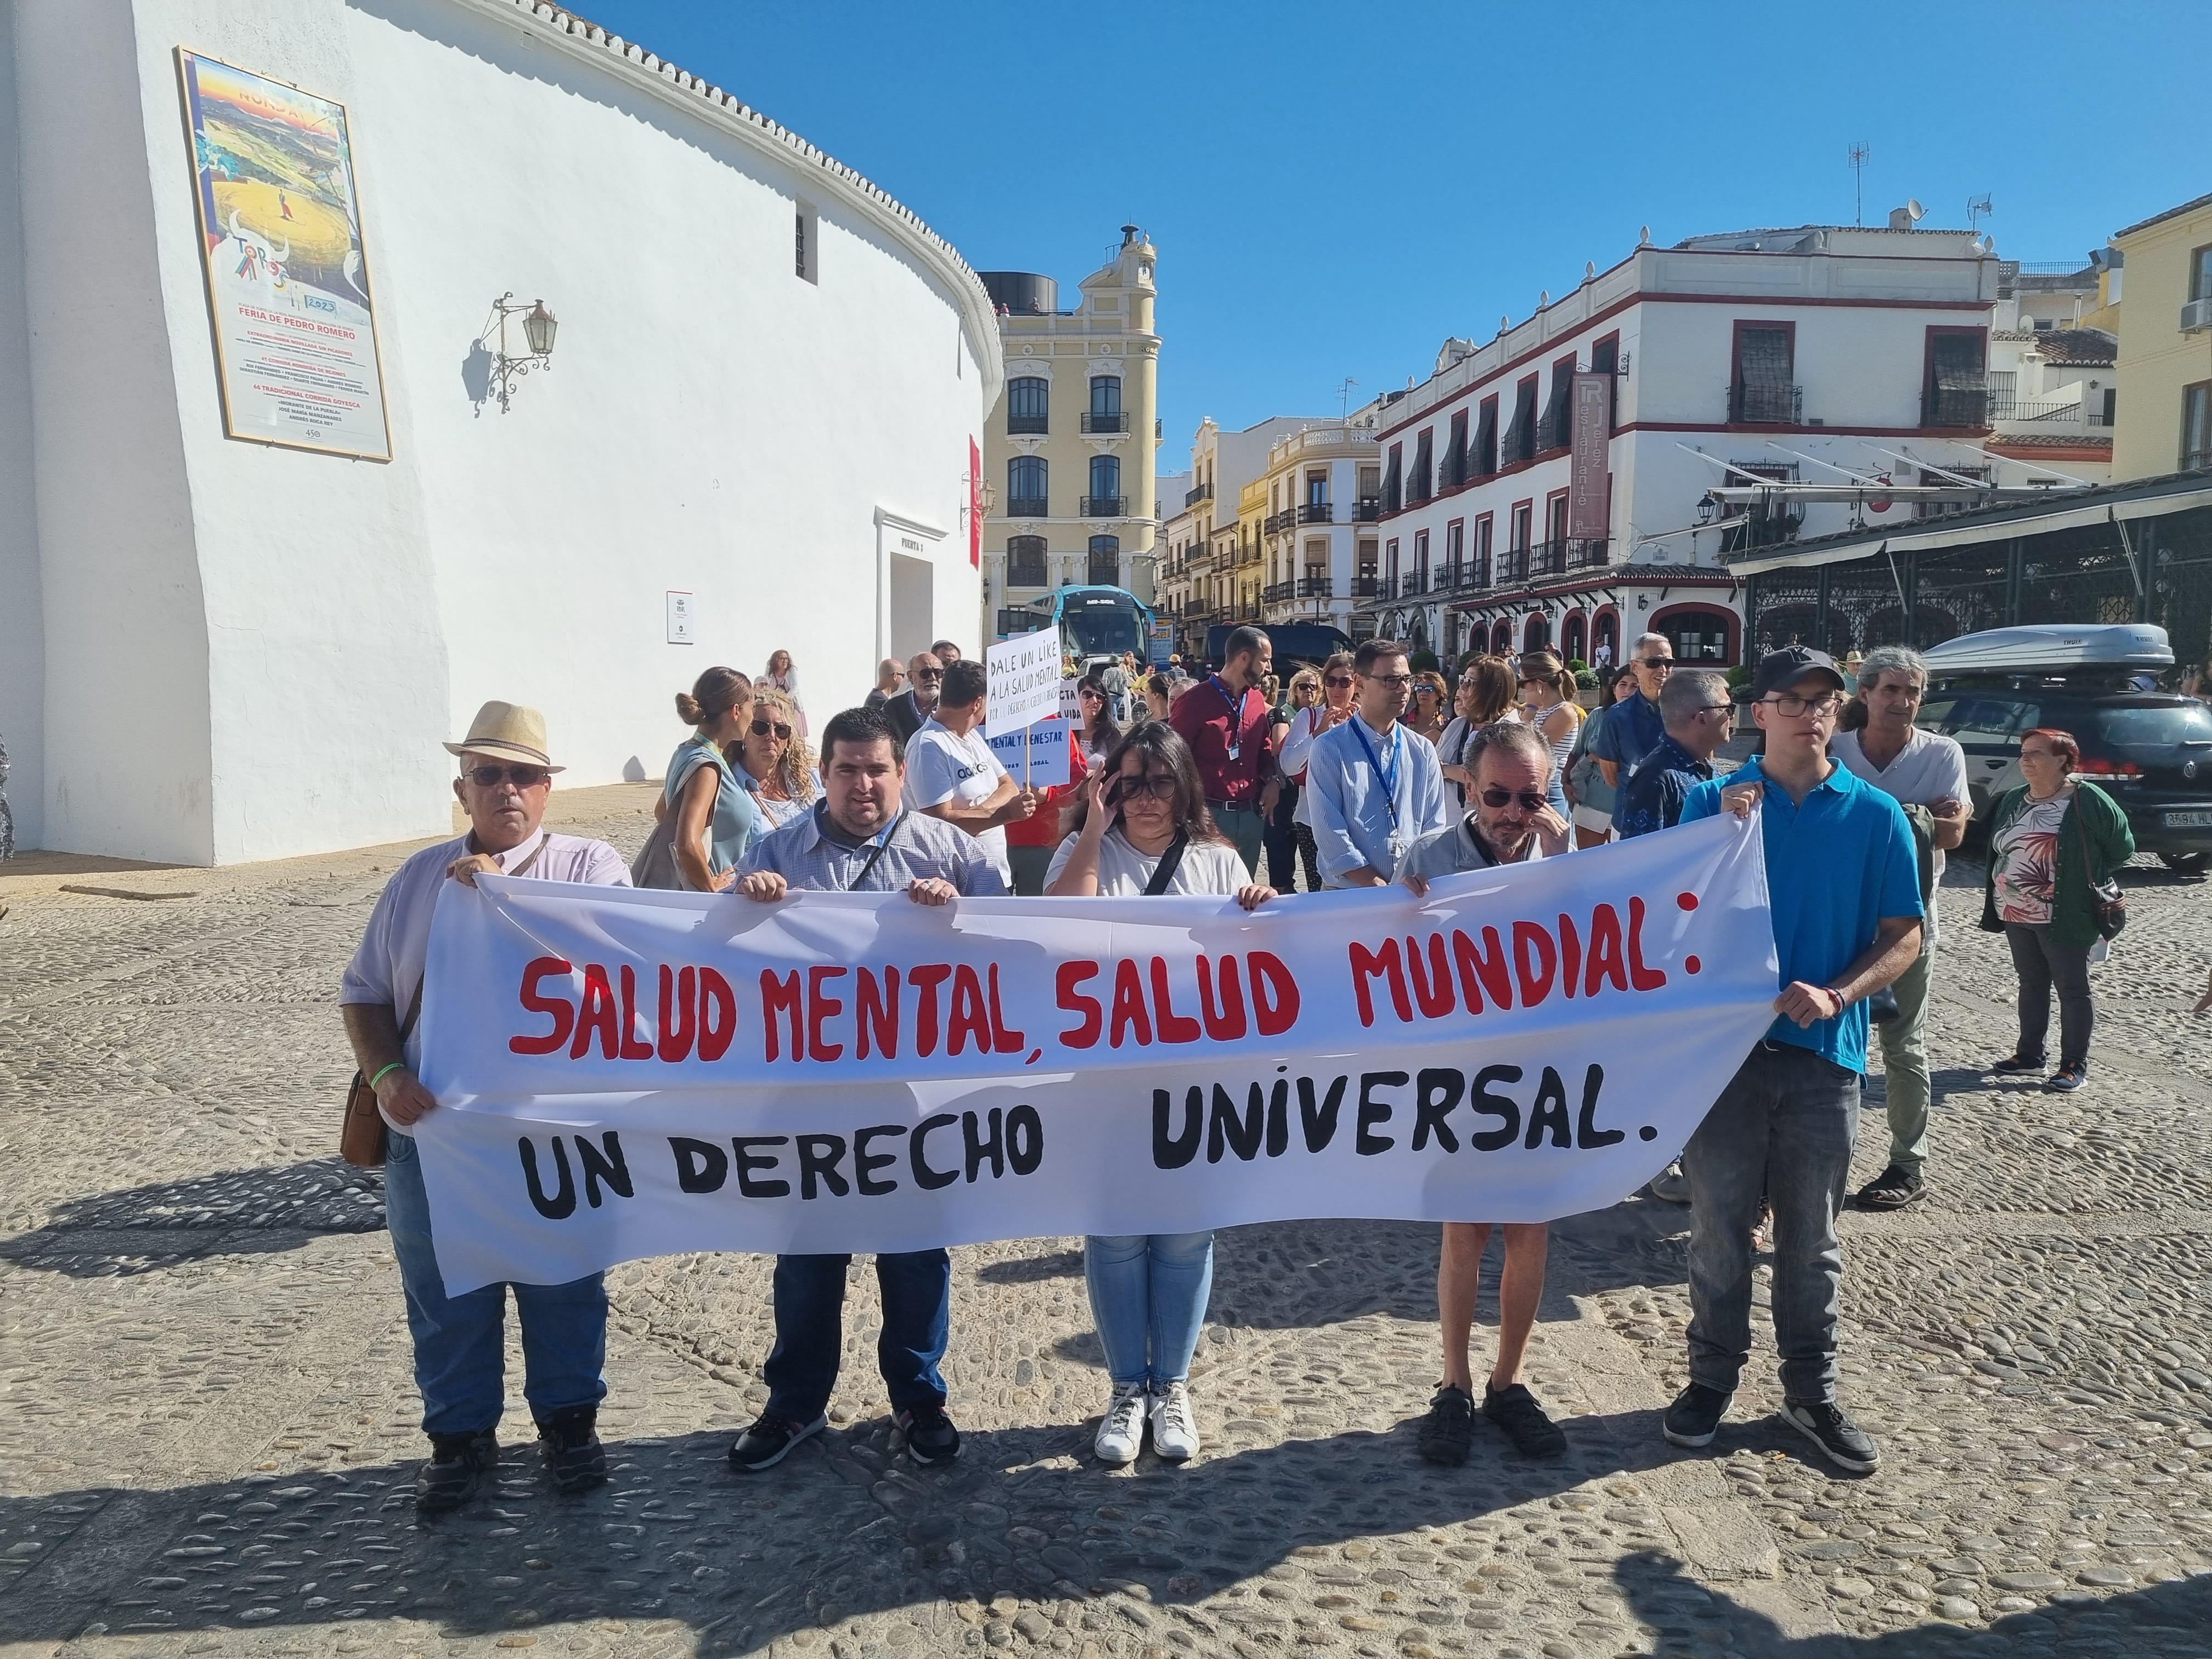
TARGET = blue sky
x,y
1333,188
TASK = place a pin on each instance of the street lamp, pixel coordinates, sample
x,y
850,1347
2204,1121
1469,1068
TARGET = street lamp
x,y
538,325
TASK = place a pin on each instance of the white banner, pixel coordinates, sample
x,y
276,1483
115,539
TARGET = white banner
x,y
629,1073
1022,676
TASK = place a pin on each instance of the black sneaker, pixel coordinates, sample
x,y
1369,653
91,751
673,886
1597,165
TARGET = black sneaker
x,y
1893,1189
930,1436
570,1441
1695,1417
1841,1441
1514,1410
447,1479
2014,1065
770,1441
2070,1075
1447,1431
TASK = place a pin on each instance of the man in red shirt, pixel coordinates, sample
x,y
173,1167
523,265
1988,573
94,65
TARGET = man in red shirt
x,y
1223,719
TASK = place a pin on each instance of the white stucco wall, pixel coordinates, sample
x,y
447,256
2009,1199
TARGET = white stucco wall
x,y
711,422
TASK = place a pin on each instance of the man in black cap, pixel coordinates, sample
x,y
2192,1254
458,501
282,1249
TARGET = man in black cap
x,y
1843,887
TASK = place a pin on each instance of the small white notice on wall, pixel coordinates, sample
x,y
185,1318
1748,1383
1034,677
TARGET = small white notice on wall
x,y
679,619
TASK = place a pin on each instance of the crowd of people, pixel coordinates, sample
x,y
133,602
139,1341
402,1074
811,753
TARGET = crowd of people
x,y
1366,774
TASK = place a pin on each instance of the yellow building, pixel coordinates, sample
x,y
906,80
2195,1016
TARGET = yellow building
x,y
1068,451
2163,422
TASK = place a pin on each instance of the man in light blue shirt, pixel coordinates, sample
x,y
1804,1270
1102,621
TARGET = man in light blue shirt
x,y
1843,885
1376,787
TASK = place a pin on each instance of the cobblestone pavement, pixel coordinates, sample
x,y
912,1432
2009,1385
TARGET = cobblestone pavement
x,y
210,1427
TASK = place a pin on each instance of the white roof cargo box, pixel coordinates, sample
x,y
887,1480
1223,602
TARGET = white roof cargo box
x,y
2053,649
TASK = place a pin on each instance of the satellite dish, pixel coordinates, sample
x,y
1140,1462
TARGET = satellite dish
x,y
1916,210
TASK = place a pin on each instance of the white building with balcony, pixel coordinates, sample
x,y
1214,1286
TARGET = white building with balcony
x,y
1828,355
1205,565
1323,495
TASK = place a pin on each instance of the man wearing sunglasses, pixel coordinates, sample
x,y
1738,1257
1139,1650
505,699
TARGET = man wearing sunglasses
x,y
1509,820
1842,884
506,779
910,708
1634,726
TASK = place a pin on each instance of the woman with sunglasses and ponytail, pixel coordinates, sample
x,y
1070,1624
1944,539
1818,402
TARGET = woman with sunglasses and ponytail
x,y
772,760
715,817
1141,828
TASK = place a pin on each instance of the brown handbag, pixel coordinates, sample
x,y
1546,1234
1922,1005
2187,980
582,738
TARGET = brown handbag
x,y
360,1137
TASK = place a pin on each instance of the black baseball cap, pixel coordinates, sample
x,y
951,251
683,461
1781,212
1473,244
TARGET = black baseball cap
x,y
1780,669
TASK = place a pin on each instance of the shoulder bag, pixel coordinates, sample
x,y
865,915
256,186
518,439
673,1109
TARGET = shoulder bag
x,y
1170,861
362,1131
2110,902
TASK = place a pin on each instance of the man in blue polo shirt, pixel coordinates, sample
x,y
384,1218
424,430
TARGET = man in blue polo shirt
x,y
1844,883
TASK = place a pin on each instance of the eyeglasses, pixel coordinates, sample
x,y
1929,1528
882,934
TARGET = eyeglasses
x,y
522,777
1529,800
1657,664
1160,785
1394,681
1090,695
1792,707
1717,709
929,673
1337,681
762,728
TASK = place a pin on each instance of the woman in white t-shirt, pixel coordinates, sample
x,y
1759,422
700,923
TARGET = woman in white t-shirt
x,y
1142,828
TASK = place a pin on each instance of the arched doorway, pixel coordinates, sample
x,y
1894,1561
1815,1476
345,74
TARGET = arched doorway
x,y
1707,634
1574,637
1501,638
1536,632
1605,631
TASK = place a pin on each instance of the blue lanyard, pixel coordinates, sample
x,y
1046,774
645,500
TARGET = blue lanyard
x,y
1235,716
1389,779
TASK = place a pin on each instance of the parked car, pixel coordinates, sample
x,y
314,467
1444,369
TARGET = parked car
x,y
2150,751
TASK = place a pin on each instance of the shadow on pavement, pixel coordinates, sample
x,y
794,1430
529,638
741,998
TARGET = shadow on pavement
x,y
846,1527
2165,1619
235,1212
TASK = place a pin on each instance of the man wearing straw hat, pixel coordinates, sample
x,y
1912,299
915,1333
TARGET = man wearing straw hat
x,y
506,777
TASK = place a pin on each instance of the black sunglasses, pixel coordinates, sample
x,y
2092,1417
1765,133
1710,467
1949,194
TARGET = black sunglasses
x,y
929,673
1160,785
762,728
1655,662
522,777
1494,798
1338,681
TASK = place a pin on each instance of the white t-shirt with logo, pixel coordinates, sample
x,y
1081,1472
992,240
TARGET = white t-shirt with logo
x,y
942,766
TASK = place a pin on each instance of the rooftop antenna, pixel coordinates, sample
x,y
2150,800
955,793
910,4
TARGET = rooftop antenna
x,y
1978,209
1344,400
1858,156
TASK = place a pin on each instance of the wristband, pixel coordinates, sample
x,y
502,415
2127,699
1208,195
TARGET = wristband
x,y
386,1070
1842,1001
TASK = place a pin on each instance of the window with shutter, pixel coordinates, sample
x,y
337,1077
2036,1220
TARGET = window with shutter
x,y
1483,461
1957,391
1417,482
1558,428
1454,473
1391,481
1763,390
1521,435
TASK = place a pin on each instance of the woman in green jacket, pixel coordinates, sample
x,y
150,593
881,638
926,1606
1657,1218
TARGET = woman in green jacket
x,y
2052,841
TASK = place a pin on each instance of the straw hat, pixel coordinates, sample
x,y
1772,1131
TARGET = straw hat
x,y
506,731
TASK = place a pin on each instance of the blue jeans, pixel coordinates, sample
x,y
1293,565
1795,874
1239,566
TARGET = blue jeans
x,y
1148,1294
460,1347
1782,1128
810,1330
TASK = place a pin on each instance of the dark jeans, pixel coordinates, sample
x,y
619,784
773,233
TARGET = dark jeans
x,y
2042,964
810,1330
1281,841
1310,856
1783,1128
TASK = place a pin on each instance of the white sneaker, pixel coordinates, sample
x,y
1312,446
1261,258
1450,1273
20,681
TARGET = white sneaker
x,y
1122,1430
1175,1425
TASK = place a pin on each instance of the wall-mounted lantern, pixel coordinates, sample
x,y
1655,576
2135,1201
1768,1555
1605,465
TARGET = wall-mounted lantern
x,y
538,325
